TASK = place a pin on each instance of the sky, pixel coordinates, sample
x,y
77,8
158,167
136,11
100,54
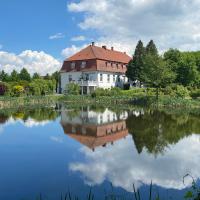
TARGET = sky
x,y
40,34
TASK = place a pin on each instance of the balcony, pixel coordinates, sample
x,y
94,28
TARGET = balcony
x,y
88,83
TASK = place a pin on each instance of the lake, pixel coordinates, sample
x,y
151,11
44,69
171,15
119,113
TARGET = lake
x,y
49,151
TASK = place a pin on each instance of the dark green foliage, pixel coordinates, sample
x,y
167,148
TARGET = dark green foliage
x,y
36,86
72,89
4,77
187,71
24,75
135,66
14,76
155,72
36,76
3,88
151,49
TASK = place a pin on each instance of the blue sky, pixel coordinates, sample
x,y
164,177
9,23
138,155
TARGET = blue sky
x,y
40,34
28,25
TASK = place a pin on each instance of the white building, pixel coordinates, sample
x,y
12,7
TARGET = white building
x,y
95,67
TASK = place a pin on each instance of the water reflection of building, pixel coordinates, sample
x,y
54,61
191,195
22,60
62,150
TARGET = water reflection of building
x,y
94,129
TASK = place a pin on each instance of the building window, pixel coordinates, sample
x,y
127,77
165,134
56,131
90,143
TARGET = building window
x,y
108,78
108,118
113,78
83,64
101,119
70,78
73,64
101,77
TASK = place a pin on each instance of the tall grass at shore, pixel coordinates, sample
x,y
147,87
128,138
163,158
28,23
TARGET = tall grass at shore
x,y
9,102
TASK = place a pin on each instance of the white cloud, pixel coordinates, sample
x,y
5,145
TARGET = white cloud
x,y
33,61
31,123
78,38
69,51
56,36
169,23
56,139
165,170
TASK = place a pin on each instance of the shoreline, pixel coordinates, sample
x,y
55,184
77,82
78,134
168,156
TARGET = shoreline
x,y
136,100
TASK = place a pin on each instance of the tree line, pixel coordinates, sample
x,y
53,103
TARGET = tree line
x,y
23,84
172,68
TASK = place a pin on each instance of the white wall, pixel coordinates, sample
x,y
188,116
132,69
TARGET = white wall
x,y
94,76
65,78
93,117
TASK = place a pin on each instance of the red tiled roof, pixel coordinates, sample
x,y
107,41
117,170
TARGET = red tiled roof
x,y
94,52
93,142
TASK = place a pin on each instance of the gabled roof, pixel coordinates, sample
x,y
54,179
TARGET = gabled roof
x,y
94,52
93,142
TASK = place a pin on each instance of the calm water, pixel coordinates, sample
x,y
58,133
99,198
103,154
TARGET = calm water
x,y
56,149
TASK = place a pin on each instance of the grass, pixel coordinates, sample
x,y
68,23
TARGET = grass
x,y
9,102
138,100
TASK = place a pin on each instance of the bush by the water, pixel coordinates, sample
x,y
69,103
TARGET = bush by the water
x,y
176,91
36,87
72,89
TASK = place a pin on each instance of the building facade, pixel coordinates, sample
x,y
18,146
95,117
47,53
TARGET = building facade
x,y
95,67
94,129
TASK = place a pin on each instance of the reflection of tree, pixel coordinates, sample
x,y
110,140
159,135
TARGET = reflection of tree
x,y
38,114
155,130
3,118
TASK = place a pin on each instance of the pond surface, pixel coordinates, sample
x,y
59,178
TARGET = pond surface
x,y
52,150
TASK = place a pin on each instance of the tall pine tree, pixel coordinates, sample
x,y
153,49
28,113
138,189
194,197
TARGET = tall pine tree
x,y
24,75
136,64
151,48
14,76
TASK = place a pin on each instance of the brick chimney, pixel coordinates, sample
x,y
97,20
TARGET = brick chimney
x,y
104,47
112,48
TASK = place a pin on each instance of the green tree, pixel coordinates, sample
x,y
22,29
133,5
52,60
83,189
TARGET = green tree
x,y
187,72
4,76
24,75
156,73
72,88
151,48
135,66
36,75
14,76
56,77
47,77
173,57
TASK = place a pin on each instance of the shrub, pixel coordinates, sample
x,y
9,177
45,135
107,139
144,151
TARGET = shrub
x,y
169,90
176,91
3,88
126,86
72,89
34,89
181,91
195,93
18,90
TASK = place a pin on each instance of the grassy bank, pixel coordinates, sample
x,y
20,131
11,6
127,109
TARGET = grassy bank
x,y
14,102
128,98
135,100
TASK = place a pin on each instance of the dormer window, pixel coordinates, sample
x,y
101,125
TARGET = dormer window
x,y
83,64
73,64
